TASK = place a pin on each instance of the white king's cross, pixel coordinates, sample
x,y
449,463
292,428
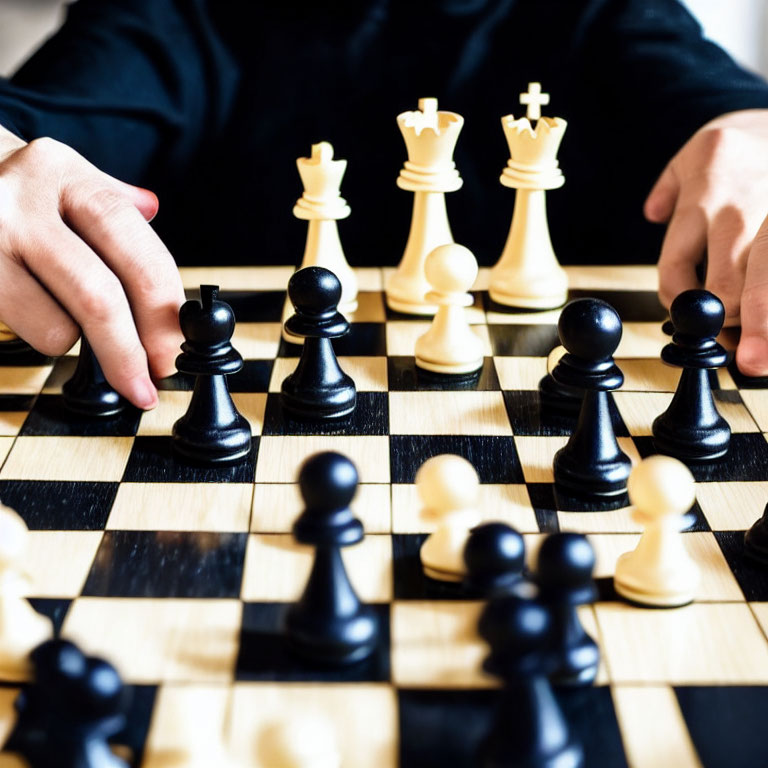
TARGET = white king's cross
x,y
534,99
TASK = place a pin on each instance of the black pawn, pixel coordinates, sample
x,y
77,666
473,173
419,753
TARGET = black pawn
x,y
529,729
756,539
559,397
318,389
591,464
691,429
329,624
564,568
495,557
67,715
88,392
212,431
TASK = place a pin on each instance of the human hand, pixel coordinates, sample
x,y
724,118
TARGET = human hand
x,y
714,194
76,252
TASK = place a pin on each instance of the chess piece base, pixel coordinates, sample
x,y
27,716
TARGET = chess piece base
x,y
655,599
756,542
691,445
222,447
608,478
409,307
519,300
342,404
560,397
455,368
439,575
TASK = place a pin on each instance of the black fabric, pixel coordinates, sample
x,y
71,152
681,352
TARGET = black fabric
x,y
209,103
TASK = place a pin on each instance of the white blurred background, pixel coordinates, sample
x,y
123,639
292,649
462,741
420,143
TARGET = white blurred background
x,y
740,26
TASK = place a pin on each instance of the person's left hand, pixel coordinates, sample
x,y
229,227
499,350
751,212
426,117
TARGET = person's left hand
x,y
714,196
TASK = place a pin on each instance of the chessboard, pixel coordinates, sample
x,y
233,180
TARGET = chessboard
x,y
180,575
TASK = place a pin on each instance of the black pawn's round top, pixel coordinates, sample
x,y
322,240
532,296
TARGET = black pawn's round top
x,y
315,293
209,322
697,313
564,568
518,632
208,326
495,557
328,483
589,329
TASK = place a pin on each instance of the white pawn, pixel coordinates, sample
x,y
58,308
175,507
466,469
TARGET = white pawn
x,y
448,486
22,628
450,346
302,741
659,571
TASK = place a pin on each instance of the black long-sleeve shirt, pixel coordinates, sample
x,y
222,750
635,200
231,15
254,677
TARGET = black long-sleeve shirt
x,y
209,103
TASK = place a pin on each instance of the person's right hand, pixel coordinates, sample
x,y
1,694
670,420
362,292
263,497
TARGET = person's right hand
x,y
77,252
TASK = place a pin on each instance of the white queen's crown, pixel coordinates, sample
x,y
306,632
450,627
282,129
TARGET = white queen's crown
x,y
430,138
321,176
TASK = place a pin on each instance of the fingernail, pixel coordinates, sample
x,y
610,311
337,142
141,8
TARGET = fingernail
x,y
143,394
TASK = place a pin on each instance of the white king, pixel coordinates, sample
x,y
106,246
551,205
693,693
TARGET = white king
x,y
528,274
322,206
430,138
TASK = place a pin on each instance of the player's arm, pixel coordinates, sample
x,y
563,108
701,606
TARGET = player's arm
x,y
131,90
76,252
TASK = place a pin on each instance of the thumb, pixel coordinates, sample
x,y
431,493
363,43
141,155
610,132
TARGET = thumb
x,y
661,201
145,200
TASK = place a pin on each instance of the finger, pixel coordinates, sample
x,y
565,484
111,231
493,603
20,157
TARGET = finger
x,y
116,231
683,248
752,352
94,297
661,201
33,314
144,199
728,246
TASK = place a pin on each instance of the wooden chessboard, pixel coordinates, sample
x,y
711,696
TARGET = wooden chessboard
x,y
180,575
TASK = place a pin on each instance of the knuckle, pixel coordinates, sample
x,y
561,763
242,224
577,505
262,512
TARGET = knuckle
x,y
103,203
100,299
44,150
58,339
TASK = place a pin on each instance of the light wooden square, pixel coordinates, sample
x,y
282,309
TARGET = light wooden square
x,y
368,373
277,505
402,335
223,507
653,728
507,503
257,341
702,643
173,404
537,454
639,409
11,421
641,340
153,640
613,278
23,379
732,506
370,308
5,446
520,372
603,521
648,375
435,645
717,580
448,413
757,402
281,457
363,717
186,720
277,568
369,279
58,562
67,458
237,278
